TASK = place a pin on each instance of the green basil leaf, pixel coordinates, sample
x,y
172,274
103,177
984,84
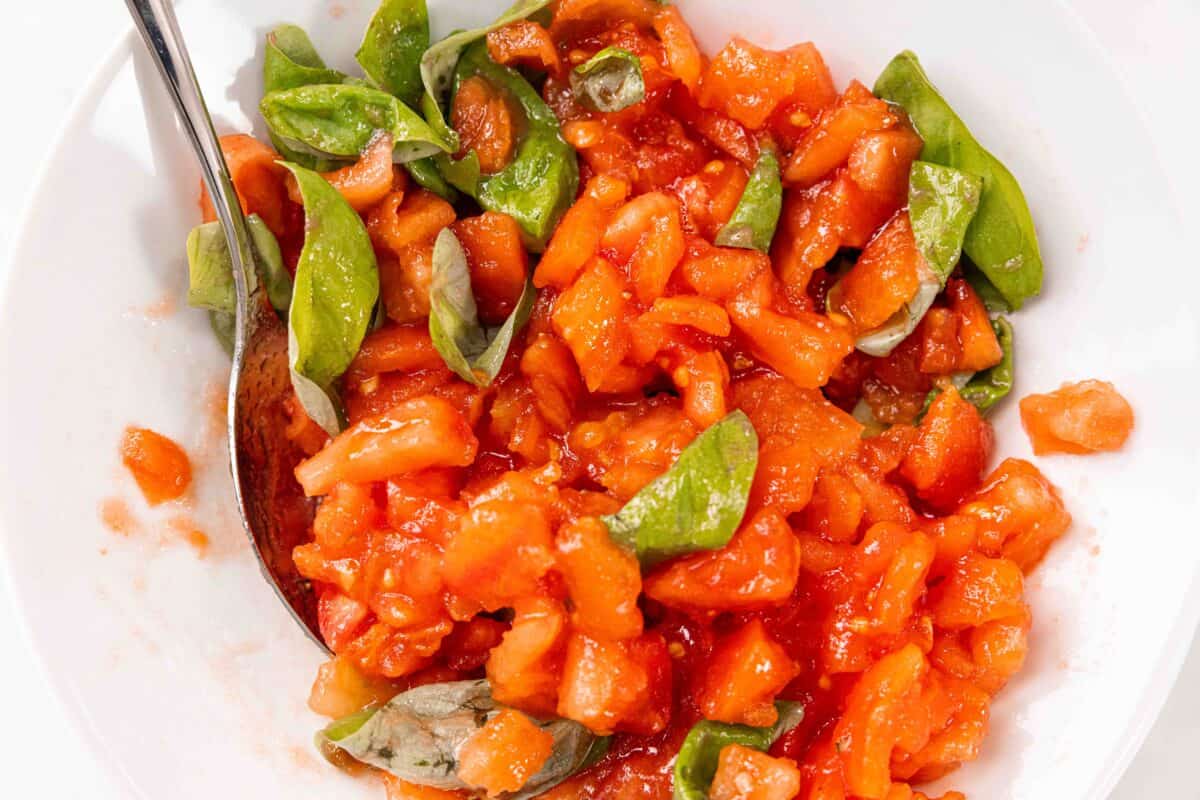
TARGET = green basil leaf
x,y
752,226
473,353
699,502
290,60
609,81
696,764
390,55
339,121
440,61
540,183
210,268
989,387
418,734
224,327
993,301
425,173
942,201
1001,240
337,286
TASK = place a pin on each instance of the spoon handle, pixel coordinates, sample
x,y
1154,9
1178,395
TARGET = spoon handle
x,y
156,22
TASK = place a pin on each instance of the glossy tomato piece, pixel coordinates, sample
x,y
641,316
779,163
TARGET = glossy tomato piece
x,y
745,673
497,261
526,667
952,448
504,754
1078,418
885,277
747,774
1020,513
499,553
590,317
161,467
603,580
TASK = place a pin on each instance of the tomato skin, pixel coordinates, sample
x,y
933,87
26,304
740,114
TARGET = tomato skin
x,y
1079,418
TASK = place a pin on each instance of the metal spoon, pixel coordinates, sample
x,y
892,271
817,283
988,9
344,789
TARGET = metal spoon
x,y
276,514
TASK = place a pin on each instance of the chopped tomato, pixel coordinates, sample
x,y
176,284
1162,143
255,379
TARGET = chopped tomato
x,y
1079,418
504,754
161,468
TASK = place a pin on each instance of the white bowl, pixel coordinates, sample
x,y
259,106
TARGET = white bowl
x,y
190,679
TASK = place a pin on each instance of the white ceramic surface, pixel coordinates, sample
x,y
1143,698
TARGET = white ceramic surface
x,y
189,680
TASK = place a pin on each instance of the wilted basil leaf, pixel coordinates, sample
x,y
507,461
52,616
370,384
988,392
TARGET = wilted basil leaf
x,y
696,764
752,226
699,502
609,81
339,121
539,184
992,385
942,201
1001,240
391,50
337,285
418,735
440,60
473,353
425,173
888,336
210,268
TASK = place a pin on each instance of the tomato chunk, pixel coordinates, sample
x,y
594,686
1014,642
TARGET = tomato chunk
x,y
952,448
504,754
745,673
1079,418
747,774
161,467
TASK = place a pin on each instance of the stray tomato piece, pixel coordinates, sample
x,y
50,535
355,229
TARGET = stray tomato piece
x,y
410,437
757,569
486,123
747,774
952,448
504,754
1078,418
745,673
160,466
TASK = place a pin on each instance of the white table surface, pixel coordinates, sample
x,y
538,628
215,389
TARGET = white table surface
x,y
50,49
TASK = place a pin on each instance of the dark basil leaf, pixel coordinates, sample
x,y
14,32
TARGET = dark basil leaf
x,y
440,60
224,327
1001,240
752,226
418,735
540,183
942,201
210,269
337,286
391,50
339,121
696,764
609,81
993,301
992,385
699,502
425,173
473,353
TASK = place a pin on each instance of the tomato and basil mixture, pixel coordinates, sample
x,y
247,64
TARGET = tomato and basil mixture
x,y
644,396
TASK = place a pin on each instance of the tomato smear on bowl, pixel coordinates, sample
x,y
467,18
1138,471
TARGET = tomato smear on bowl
x,y
469,524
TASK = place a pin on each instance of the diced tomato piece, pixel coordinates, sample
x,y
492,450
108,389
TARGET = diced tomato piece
x,y
747,774
590,318
952,448
779,408
978,590
499,553
410,437
603,581
258,179
498,263
553,378
683,54
1078,418
690,311
941,352
980,348
748,83
486,123
720,272
805,348
786,475
574,243
746,671
1020,513
341,689
702,380
902,585
504,754
368,180
404,281
878,710
880,161
161,467
885,277
828,144
407,218
523,43
340,618
601,685
470,643
836,508
525,668
757,569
